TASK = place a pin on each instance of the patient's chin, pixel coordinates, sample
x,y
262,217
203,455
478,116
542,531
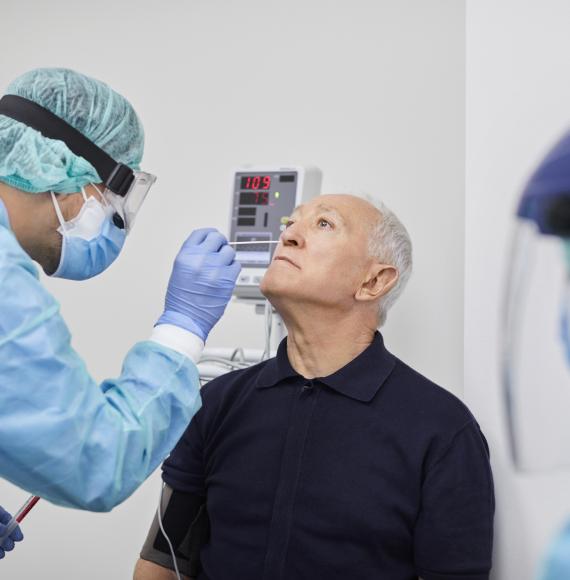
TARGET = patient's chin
x,y
276,286
268,285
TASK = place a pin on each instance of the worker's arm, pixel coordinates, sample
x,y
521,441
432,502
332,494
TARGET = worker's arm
x,y
64,437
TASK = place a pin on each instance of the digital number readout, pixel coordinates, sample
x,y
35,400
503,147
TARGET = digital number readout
x,y
254,198
256,182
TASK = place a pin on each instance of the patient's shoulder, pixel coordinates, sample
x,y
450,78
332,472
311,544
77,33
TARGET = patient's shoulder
x,y
425,398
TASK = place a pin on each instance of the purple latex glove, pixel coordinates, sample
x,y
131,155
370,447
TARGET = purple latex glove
x,y
15,536
201,284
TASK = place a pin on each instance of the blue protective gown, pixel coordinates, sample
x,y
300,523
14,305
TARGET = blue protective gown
x,y
557,562
63,436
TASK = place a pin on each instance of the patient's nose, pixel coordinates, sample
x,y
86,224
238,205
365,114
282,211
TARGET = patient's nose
x,y
292,236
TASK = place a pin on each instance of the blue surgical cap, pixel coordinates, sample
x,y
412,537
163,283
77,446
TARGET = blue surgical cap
x,y
31,162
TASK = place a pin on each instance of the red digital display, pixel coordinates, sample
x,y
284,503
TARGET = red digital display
x,y
254,198
256,182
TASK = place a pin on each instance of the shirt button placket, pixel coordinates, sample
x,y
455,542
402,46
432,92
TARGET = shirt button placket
x,y
291,465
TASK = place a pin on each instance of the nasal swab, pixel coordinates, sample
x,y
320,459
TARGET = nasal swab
x,y
253,242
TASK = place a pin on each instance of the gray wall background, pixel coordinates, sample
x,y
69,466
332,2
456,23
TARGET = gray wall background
x,y
372,91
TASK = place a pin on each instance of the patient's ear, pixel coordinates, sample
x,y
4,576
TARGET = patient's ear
x,y
380,279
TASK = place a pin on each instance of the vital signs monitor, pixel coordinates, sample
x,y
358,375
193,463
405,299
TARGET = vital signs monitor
x,y
263,198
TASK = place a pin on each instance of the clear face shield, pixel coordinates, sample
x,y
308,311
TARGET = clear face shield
x,y
536,341
536,321
127,206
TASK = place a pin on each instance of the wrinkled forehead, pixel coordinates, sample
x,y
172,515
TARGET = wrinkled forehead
x,y
353,211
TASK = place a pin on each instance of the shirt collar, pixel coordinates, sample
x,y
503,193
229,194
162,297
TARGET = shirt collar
x,y
360,379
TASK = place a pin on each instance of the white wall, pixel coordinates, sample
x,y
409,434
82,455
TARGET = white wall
x,y
372,91
518,103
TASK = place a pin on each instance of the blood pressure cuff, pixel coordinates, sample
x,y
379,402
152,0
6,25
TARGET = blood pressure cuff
x,y
185,521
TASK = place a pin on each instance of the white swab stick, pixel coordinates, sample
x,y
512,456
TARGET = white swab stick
x,y
253,242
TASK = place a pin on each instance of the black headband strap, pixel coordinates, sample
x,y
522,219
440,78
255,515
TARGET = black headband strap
x,y
116,176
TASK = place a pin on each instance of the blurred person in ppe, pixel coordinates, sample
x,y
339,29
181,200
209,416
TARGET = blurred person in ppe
x,y
536,335
70,188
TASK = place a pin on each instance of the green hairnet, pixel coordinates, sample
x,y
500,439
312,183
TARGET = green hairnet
x,y
31,162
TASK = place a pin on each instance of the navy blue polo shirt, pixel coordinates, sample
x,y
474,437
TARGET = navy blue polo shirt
x,y
371,473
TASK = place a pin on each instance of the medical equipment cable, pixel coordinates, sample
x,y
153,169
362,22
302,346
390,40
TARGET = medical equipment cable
x,y
159,514
219,361
268,328
232,365
238,351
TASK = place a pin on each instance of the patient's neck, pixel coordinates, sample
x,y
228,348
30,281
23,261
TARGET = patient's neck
x,y
319,344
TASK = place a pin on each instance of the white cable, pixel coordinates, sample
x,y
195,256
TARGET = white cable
x,y
268,327
232,364
165,534
238,351
221,361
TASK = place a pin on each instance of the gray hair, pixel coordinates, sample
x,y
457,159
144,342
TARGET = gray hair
x,y
390,243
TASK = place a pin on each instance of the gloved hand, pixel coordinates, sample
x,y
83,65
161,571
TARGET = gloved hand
x,y
15,536
201,284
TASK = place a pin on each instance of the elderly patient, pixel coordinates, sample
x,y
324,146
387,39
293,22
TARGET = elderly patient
x,y
333,460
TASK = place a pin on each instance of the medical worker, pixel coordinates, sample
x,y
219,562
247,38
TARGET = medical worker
x,y
536,354
70,188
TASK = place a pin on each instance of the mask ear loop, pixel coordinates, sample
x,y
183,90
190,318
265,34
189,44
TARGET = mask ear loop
x,y
58,211
101,195
61,230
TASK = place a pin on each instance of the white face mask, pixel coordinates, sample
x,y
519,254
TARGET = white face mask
x,y
91,242
87,223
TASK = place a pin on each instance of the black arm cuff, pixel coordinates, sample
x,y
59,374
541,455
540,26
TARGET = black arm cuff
x,y
185,520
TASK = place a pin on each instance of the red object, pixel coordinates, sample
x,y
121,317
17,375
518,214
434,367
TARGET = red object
x,y
26,508
256,182
262,197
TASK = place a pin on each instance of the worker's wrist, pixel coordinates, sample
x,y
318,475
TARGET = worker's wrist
x,y
178,339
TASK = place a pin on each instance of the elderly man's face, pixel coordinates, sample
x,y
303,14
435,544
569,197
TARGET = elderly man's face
x,y
322,256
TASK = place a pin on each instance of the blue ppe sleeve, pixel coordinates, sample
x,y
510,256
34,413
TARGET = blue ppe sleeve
x,y
556,565
62,436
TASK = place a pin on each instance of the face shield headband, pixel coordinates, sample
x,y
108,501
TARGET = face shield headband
x,y
125,189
